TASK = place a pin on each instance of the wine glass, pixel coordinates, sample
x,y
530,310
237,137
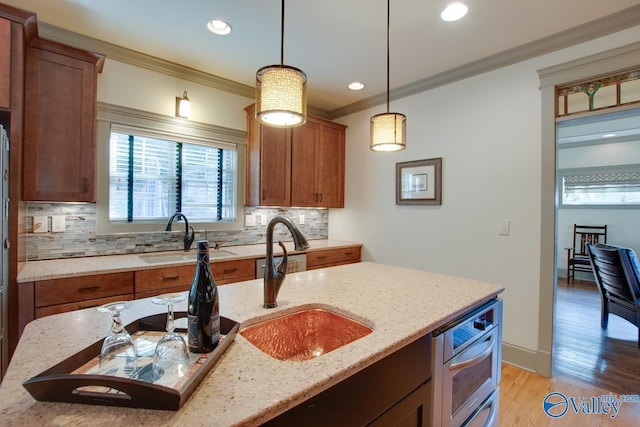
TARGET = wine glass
x,y
171,357
118,354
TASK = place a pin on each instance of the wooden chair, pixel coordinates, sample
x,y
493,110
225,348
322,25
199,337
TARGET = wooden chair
x,y
617,273
577,256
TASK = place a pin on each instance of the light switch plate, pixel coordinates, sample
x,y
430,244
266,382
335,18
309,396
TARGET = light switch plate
x,y
58,223
504,227
250,220
301,219
40,224
263,220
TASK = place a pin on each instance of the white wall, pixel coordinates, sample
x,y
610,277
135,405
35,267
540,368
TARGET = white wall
x,y
487,129
142,89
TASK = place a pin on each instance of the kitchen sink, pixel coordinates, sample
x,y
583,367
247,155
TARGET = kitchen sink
x,y
162,257
304,334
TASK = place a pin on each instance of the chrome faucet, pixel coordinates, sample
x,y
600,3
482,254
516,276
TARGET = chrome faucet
x,y
274,275
188,238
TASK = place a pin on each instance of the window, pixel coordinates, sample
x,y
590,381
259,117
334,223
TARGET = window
x,y
601,187
153,175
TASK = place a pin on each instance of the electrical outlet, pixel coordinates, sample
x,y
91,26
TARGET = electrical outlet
x,y
40,224
263,220
250,220
301,219
58,223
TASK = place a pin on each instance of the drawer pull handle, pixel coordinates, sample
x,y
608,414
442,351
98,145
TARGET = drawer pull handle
x,y
89,288
229,270
167,278
322,256
348,253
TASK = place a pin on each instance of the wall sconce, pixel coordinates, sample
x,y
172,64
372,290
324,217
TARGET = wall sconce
x,y
183,106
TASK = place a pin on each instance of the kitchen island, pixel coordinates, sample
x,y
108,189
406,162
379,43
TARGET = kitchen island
x,y
248,387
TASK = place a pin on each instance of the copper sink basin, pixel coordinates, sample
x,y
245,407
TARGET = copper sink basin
x,y
304,334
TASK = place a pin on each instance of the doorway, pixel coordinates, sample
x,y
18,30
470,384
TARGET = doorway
x,y
597,147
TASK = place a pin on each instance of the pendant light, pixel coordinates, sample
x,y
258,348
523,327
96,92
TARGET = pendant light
x,y
388,130
281,92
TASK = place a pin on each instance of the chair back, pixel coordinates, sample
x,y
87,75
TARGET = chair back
x,y
587,234
617,273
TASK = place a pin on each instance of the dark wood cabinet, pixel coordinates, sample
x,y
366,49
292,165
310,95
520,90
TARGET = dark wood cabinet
x,y
394,391
302,167
59,133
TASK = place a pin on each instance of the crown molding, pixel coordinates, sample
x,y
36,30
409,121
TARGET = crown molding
x,y
619,21
613,23
142,60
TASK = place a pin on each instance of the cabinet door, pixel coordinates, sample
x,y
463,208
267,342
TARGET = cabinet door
x,y
60,95
412,411
304,162
330,167
275,166
5,63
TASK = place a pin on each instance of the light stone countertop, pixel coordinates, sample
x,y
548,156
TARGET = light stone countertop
x,y
70,267
247,387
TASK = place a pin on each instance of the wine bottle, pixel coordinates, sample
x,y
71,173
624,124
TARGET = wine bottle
x,y
203,306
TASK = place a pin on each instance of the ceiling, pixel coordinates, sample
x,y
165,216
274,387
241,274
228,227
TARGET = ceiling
x,y
338,41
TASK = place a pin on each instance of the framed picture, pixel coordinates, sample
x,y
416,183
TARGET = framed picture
x,y
419,182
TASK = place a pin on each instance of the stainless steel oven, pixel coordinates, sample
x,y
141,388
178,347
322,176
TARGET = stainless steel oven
x,y
466,368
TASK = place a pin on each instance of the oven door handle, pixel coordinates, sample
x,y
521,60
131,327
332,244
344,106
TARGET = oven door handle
x,y
459,365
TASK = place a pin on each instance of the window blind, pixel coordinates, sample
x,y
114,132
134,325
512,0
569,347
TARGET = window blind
x,y
151,177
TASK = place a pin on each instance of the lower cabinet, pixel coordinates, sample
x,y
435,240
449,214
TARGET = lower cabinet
x,y
158,281
394,391
73,293
45,297
332,257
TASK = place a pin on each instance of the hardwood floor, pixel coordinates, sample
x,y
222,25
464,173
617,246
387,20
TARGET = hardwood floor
x,y
605,358
589,362
522,393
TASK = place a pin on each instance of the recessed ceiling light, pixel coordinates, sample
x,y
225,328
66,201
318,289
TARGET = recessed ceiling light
x,y
454,11
356,86
218,26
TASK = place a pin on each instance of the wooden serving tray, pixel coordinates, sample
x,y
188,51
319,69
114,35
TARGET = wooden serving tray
x,y
68,382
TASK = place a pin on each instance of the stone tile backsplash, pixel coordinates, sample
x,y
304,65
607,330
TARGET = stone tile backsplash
x,y
80,240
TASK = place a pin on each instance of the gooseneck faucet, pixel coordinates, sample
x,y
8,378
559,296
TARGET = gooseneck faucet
x,y
274,275
188,237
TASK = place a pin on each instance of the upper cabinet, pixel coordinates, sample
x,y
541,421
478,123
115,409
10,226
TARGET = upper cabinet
x,y
301,167
59,131
317,164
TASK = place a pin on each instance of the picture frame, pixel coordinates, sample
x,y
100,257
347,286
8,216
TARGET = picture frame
x,y
419,182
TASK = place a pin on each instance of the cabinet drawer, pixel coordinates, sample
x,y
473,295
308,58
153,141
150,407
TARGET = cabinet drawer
x,y
73,289
63,308
233,271
329,257
163,278
153,293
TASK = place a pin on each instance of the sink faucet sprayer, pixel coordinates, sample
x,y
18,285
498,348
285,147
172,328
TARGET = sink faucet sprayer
x,y
188,238
274,275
